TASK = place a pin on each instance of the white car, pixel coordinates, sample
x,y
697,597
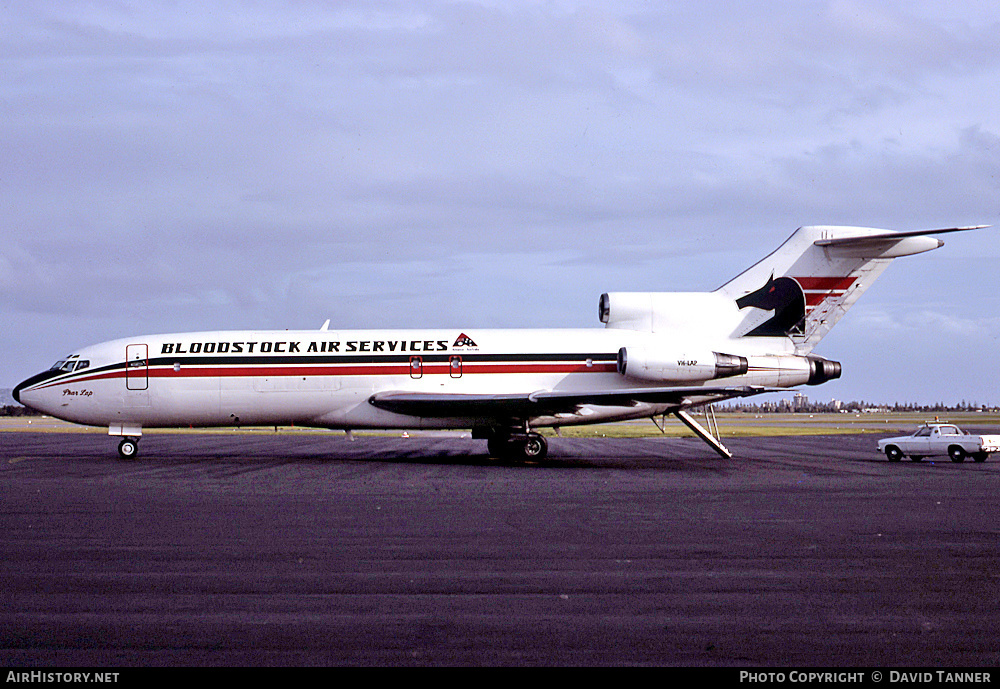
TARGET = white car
x,y
938,439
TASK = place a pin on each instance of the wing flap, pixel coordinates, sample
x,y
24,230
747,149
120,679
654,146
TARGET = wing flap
x,y
543,402
431,404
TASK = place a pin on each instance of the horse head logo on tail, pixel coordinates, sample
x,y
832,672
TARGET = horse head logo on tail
x,y
783,296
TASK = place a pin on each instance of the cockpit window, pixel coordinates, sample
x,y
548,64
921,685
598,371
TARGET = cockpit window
x,y
69,364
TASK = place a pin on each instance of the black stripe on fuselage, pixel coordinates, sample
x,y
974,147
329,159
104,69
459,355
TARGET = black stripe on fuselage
x,y
52,378
468,357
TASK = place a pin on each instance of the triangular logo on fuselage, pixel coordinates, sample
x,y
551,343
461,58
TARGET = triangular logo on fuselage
x,y
464,341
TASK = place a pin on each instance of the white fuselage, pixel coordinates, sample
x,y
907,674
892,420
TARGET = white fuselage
x,y
324,378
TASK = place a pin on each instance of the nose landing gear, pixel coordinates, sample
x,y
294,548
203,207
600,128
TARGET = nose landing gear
x,y
128,448
130,433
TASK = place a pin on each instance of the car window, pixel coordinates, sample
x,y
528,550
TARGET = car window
x,y
923,432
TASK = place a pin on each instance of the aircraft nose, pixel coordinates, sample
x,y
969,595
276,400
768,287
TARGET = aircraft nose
x,y
30,382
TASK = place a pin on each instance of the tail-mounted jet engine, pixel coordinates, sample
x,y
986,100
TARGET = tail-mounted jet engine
x,y
787,370
822,370
685,367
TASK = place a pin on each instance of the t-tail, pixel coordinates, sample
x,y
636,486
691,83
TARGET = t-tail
x,y
757,332
806,286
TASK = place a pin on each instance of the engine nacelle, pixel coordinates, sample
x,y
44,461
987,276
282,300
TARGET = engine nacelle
x,y
711,314
678,367
822,370
787,370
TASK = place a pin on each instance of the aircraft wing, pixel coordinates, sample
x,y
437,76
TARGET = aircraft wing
x,y
543,402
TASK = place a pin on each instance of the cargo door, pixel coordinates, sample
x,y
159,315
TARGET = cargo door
x,y
137,367
136,393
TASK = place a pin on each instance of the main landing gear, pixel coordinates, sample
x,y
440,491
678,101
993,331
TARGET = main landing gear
x,y
524,446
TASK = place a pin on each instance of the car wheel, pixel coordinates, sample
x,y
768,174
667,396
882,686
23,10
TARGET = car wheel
x,y
956,454
893,453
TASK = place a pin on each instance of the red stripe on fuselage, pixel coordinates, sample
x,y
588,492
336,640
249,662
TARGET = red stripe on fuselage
x,y
393,369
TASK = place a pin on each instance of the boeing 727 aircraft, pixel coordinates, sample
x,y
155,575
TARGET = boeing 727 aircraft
x,y
659,353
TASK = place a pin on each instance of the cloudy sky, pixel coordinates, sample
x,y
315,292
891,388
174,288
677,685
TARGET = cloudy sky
x,y
187,166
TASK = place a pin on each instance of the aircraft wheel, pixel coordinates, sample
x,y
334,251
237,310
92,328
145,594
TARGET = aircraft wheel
x,y
128,448
956,454
534,447
530,447
498,446
893,453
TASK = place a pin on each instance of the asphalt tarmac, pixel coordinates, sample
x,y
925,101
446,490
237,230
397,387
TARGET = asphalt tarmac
x,y
285,549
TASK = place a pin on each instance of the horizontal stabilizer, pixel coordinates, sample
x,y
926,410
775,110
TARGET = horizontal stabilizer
x,y
873,239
